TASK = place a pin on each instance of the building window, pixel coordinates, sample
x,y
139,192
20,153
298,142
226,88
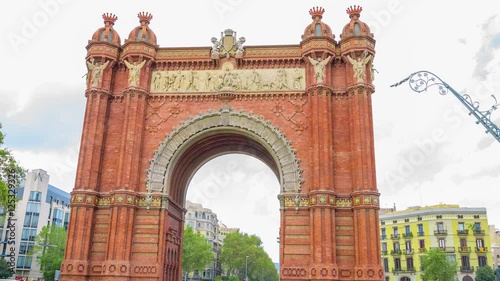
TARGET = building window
x,y
397,263
481,260
396,233
32,215
421,245
480,245
57,219
28,235
384,247
420,228
382,222
440,227
24,262
407,229
461,226
439,217
317,29
407,220
463,242
419,218
476,216
477,227
396,247
460,216
465,262
404,278
66,220
386,264
357,30
383,235
395,221
408,247
35,196
409,263
442,243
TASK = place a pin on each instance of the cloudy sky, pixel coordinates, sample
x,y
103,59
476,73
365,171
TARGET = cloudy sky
x,y
428,150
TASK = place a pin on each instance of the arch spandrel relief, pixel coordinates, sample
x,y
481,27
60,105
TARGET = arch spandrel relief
x,y
283,79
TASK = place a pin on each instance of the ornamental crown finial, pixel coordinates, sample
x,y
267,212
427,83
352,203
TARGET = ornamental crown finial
x,y
109,17
316,12
354,10
145,16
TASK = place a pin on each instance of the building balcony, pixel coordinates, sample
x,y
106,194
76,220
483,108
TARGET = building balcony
x,y
420,233
463,249
440,232
466,269
422,250
403,270
396,252
409,270
407,235
482,250
394,236
463,232
445,249
384,253
408,252
397,270
478,232
383,237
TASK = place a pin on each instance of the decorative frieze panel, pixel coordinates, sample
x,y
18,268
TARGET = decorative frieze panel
x,y
283,79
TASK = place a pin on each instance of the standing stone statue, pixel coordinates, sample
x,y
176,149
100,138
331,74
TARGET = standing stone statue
x,y
95,71
319,68
134,71
359,66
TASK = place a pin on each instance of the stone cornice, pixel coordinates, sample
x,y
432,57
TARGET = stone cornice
x,y
96,92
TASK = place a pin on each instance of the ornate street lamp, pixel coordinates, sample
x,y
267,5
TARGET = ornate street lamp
x,y
423,80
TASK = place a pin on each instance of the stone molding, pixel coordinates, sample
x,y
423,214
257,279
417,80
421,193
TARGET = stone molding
x,y
225,118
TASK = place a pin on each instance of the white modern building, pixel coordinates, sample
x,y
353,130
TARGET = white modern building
x,y
40,204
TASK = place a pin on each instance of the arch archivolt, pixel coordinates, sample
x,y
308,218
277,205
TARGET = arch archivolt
x,y
225,118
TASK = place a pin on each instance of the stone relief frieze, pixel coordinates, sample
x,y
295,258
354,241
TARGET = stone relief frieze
x,y
284,79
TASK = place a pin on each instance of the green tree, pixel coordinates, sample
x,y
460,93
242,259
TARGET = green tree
x,y
243,254
196,251
485,273
11,173
438,267
49,249
5,271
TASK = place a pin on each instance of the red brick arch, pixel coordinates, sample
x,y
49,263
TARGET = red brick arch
x,y
155,115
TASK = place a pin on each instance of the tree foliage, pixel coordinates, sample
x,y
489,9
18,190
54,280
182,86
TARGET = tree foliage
x,y
49,249
11,172
196,251
438,267
237,247
5,271
485,273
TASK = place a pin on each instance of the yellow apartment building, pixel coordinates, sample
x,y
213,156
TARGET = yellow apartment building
x,y
462,233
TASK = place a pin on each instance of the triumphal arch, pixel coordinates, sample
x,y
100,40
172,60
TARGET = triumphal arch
x,y
154,115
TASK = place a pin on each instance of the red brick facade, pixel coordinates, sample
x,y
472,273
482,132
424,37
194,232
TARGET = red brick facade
x,y
154,115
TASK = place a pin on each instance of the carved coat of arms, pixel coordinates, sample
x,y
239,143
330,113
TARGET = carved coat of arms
x,y
227,46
